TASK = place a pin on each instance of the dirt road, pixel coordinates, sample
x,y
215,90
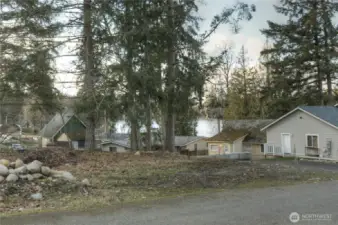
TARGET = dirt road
x,y
270,206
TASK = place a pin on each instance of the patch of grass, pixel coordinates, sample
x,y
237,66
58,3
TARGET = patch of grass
x,y
122,179
80,204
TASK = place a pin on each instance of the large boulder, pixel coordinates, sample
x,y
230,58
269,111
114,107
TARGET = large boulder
x,y
21,170
1,179
30,177
12,165
18,163
63,174
11,171
4,162
37,175
12,178
85,182
34,167
37,196
23,177
45,170
3,170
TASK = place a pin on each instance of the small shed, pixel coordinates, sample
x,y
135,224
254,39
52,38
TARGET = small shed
x,y
63,128
226,142
117,142
190,143
115,146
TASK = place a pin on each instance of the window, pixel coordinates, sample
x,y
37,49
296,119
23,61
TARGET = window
x,y
262,148
195,147
214,148
312,141
226,148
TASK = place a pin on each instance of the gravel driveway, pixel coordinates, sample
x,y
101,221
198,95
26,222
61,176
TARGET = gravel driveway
x,y
270,206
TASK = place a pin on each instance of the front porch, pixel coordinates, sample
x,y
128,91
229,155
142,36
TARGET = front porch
x,y
309,152
273,150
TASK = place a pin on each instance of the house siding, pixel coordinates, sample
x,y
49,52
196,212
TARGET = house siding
x,y
62,137
73,125
238,145
254,149
119,148
201,145
298,124
44,142
221,145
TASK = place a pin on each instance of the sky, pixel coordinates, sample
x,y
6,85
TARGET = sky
x,y
249,35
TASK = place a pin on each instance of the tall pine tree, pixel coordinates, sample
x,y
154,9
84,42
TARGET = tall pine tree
x,y
302,58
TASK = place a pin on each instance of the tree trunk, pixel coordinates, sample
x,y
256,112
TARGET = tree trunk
x,y
328,68
170,85
88,82
148,125
318,56
133,137
163,128
244,71
130,81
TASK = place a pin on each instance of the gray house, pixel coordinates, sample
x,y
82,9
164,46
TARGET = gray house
x,y
306,131
191,143
118,142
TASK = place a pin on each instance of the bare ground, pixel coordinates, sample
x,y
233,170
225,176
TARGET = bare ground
x,y
119,178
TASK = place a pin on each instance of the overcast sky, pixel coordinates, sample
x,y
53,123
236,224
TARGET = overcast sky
x,y
249,35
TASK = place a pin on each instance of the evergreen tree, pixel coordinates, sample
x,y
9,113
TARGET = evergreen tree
x,y
302,57
27,50
244,90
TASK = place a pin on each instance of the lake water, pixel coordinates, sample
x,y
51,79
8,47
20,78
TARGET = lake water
x,y
205,127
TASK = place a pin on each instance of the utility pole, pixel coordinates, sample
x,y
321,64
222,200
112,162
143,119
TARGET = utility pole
x,y
88,79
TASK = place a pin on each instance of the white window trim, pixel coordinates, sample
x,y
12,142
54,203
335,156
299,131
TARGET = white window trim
x,y
306,135
214,145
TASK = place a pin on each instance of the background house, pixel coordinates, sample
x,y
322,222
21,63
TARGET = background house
x,y
190,143
239,136
305,131
226,142
254,143
62,129
118,142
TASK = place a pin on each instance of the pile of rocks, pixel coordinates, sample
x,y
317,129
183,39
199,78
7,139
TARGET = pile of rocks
x,y
14,171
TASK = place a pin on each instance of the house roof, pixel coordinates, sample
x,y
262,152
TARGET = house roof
x,y
121,139
57,122
326,114
185,140
255,137
229,135
123,143
246,124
